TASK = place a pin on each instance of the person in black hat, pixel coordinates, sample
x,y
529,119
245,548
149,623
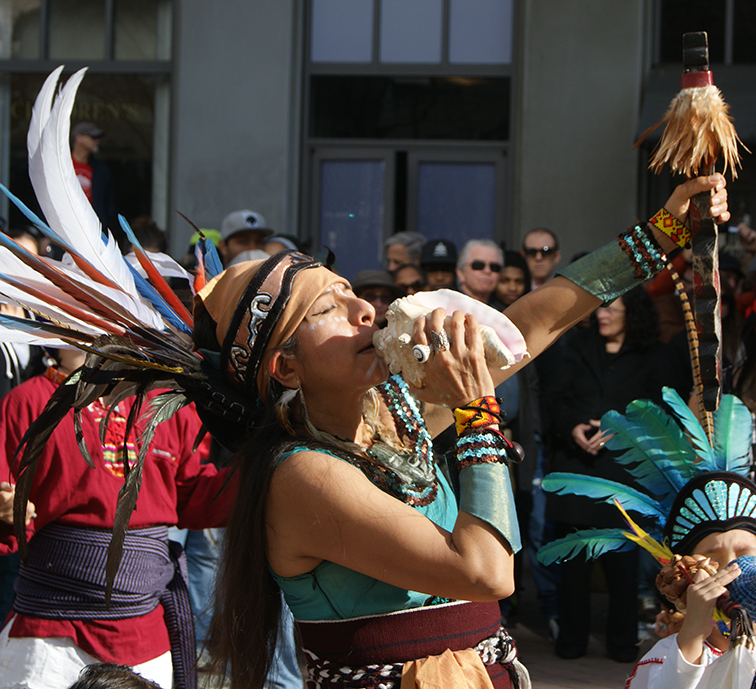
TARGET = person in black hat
x,y
438,259
377,288
94,176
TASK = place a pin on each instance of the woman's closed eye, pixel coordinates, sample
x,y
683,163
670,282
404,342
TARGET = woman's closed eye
x,y
324,311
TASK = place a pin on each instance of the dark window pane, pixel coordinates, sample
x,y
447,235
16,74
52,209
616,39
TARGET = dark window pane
x,y
77,29
122,105
25,21
680,16
142,29
363,107
744,32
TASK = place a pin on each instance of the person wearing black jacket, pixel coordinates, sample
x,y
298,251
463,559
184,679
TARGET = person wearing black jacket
x,y
615,361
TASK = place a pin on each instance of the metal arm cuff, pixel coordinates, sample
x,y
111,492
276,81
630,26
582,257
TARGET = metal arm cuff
x,y
606,273
485,492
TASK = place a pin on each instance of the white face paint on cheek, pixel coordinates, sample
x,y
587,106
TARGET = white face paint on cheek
x,y
372,368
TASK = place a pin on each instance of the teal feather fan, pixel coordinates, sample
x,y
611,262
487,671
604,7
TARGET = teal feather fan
x,y
732,445
662,451
595,541
602,490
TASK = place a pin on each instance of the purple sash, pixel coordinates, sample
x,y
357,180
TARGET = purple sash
x,y
63,578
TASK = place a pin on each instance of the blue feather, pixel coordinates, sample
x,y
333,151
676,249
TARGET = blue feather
x,y
655,443
213,265
41,328
692,427
129,232
148,293
733,431
604,490
35,220
595,541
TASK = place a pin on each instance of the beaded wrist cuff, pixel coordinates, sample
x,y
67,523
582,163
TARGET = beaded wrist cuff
x,y
644,252
672,227
480,413
486,447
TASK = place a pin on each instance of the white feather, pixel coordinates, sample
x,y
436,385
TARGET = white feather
x,y
14,267
63,202
133,303
41,111
164,264
13,336
16,297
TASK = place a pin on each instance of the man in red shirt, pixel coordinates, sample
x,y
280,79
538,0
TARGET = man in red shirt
x,y
94,176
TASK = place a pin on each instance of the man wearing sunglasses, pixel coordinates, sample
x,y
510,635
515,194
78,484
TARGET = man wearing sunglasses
x,y
478,268
540,247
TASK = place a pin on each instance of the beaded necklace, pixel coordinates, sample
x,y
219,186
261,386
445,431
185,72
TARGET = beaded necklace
x,y
409,475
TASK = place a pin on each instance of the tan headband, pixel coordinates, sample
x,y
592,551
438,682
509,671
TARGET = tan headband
x,y
257,306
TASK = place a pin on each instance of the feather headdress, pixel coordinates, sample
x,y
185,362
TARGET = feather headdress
x,y
664,453
134,329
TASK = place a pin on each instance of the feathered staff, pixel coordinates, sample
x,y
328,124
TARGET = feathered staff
x,y
698,130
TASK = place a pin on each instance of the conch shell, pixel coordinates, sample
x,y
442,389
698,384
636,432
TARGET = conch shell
x,y
503,343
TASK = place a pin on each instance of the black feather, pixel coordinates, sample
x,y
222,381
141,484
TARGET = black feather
x,y
32,444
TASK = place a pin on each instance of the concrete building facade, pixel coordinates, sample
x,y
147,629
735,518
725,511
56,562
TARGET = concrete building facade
x,y
342,121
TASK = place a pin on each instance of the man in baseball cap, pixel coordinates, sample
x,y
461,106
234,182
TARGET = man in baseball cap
x,y
94,176
438,259
243,230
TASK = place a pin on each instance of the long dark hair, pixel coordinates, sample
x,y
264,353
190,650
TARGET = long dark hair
x,y
245,624
641,319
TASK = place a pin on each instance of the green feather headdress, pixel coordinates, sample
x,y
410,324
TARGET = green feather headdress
x,y
663,452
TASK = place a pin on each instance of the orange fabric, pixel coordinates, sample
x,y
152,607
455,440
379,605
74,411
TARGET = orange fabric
x,y
222,295
450,670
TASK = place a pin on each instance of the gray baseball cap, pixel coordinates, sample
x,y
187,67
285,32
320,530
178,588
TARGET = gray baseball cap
x,y
240,221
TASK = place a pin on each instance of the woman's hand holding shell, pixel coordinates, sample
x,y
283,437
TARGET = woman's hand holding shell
x,y
457,375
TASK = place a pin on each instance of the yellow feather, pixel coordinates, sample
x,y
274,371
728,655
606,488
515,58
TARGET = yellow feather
x,y
660,552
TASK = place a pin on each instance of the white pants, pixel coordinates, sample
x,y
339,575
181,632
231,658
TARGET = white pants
x,y
55,663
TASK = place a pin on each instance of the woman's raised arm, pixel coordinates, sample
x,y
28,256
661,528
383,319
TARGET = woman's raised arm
x,y
546,313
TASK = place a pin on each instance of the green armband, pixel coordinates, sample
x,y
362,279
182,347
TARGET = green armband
x,y
616,268
485,488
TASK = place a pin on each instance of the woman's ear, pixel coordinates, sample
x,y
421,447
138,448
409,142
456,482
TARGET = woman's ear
x,y
282,367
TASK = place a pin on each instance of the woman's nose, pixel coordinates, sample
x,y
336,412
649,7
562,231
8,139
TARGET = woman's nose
x,y
363,312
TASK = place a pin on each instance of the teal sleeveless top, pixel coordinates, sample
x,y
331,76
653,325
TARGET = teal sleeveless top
x,y
333,592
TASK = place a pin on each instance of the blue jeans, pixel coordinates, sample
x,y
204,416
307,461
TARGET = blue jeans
x,y
203,550
540,532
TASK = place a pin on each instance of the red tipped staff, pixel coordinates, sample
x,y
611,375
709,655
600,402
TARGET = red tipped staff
x,y
698,131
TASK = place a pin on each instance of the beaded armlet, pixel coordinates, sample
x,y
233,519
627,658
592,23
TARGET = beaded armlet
x,y
482,457
644,252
